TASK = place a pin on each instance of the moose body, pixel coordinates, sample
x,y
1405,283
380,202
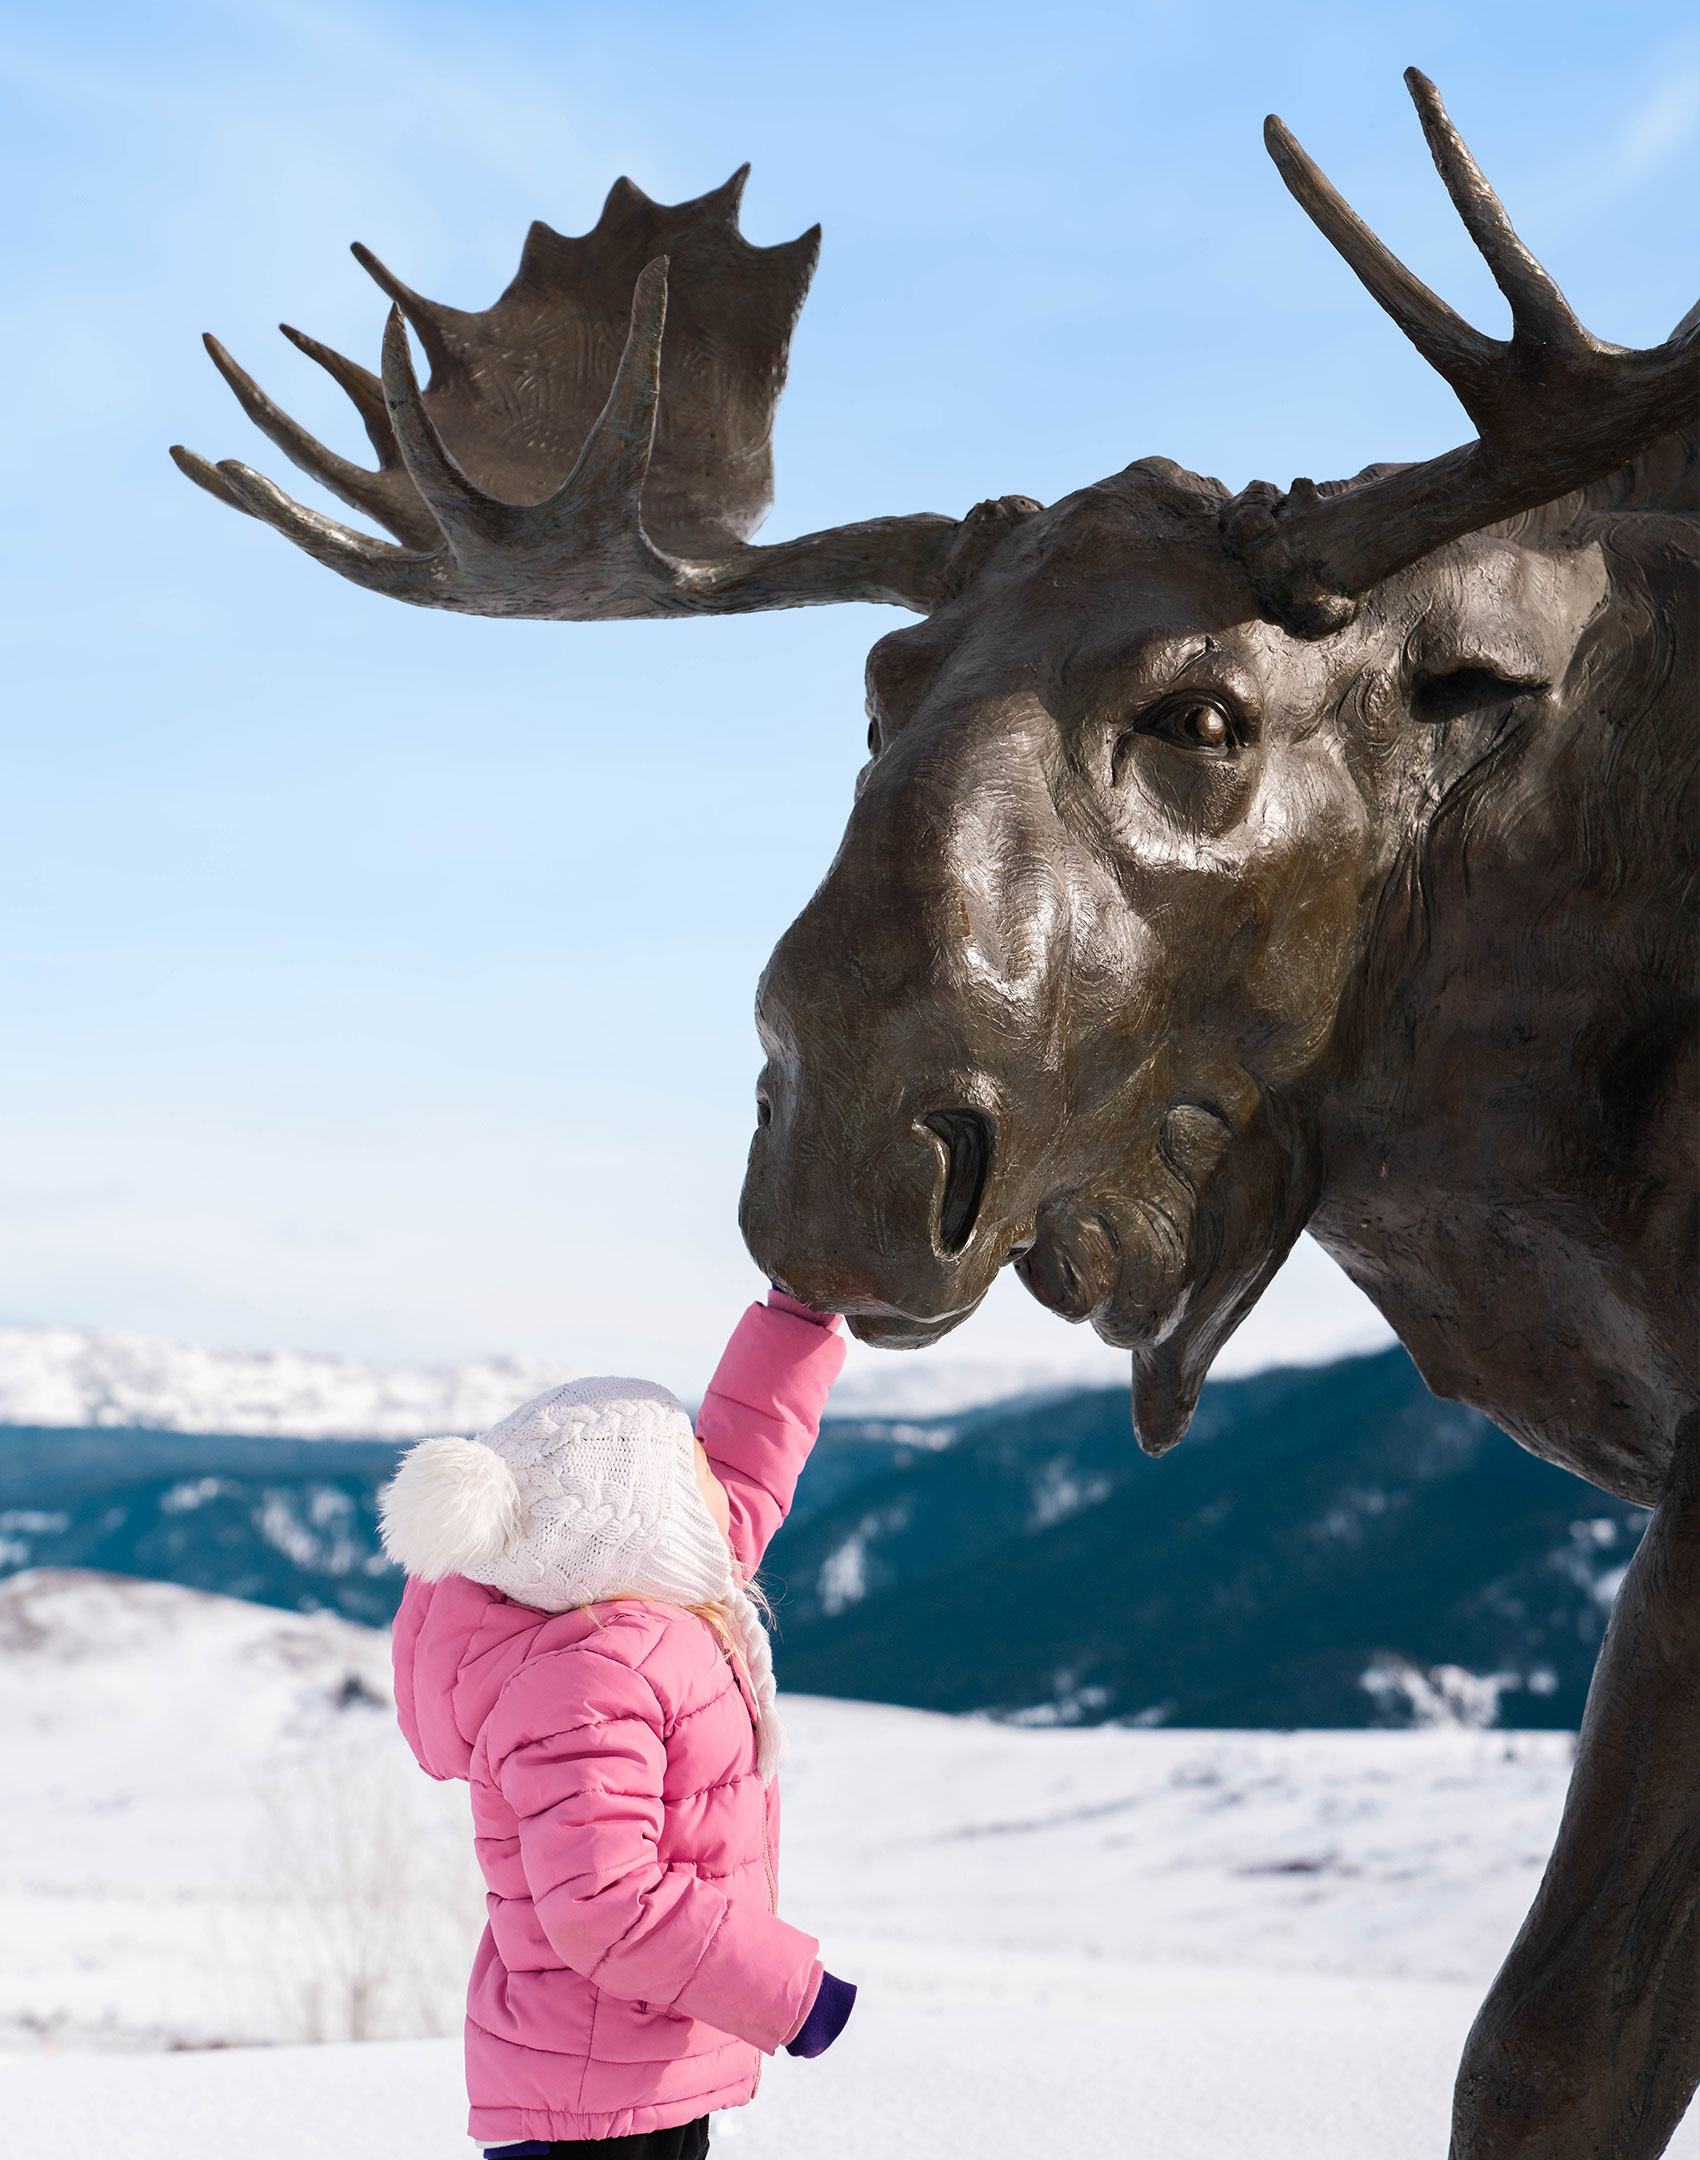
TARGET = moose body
x,y
1223,866
1510,1136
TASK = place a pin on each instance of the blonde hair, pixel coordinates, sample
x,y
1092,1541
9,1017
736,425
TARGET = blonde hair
x,y
719,1624
718,1613
715,1611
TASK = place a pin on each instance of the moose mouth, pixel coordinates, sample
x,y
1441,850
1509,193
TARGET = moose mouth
x,y
1162,1253
1073,1264
1131,1263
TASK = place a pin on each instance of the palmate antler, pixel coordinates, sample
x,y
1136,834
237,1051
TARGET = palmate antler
x,y
545,470
1555,408
548,470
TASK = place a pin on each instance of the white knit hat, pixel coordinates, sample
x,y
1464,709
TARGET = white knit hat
x,y
587,1493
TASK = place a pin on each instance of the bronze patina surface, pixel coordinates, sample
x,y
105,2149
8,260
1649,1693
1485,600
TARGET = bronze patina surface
x,y
1222,866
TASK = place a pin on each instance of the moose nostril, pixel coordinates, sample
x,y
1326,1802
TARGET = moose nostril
x,y
967,1137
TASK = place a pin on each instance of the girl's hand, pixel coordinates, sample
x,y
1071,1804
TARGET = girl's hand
x,y
782,1301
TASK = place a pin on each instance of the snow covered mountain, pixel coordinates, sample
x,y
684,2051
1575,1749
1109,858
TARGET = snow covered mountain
x,y
70,1377
1330,1547
75,1377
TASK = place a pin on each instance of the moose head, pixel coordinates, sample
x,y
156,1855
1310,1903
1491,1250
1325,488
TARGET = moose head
x,y
1099,948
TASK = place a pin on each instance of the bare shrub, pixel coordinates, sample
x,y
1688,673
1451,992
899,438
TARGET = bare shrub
x,y
368,1899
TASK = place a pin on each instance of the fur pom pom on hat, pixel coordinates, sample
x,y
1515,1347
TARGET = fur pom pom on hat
x,y
587,1493
452,1508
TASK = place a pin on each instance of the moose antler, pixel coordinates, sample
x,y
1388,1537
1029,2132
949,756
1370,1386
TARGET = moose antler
x,y
1555,408
546,471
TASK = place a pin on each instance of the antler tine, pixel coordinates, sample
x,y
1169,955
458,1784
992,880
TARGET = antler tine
x,y
362,388
729,195
1446,341
418,310
1538,308
461,508
615,459
1555,408
375,493
398,573
206,474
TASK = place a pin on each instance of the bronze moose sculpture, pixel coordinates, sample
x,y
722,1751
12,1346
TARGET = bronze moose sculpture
x,y
1223,865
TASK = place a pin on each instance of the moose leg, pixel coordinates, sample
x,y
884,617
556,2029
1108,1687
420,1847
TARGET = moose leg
x,y
1588,2046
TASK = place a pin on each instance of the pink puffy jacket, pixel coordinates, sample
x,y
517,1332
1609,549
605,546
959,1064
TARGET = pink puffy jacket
x,y
634,1968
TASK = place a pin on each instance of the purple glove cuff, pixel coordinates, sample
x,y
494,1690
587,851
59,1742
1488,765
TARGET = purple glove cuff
x,y
833,2003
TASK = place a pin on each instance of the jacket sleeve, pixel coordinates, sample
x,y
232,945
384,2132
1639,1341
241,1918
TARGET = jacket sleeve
x,y
761,1416
587,1789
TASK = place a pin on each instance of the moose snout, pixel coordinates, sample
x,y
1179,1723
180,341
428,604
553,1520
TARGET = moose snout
x,y
879,1218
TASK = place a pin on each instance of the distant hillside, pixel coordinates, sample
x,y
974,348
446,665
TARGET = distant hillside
x,y
292,1523
1329,1546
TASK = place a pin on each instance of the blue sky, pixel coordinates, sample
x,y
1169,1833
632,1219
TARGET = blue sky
x,y
380,981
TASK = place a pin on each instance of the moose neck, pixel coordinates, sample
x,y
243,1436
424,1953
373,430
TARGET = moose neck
x,y
1509,1132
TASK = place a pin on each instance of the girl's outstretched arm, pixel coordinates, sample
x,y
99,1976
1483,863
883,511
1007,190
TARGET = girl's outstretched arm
x,y
762,1413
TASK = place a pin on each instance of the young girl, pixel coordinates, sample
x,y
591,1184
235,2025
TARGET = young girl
x,y
578,1641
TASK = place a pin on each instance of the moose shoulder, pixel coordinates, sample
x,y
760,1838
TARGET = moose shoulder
x,y
1222,865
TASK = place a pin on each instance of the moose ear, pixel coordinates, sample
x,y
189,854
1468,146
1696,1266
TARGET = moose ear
x,y
1499,623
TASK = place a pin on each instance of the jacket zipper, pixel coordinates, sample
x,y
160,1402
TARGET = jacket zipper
x,y
772,1904
741,1682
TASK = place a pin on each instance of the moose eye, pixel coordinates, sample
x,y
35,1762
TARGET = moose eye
x,y
1207,725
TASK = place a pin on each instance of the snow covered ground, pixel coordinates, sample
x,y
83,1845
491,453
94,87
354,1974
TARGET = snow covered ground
x,y
1159,1942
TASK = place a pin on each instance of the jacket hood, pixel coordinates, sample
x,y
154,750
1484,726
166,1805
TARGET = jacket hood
x,y
457,1645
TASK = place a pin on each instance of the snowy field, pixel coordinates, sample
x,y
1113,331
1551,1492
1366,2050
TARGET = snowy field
x,y
1165,1943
